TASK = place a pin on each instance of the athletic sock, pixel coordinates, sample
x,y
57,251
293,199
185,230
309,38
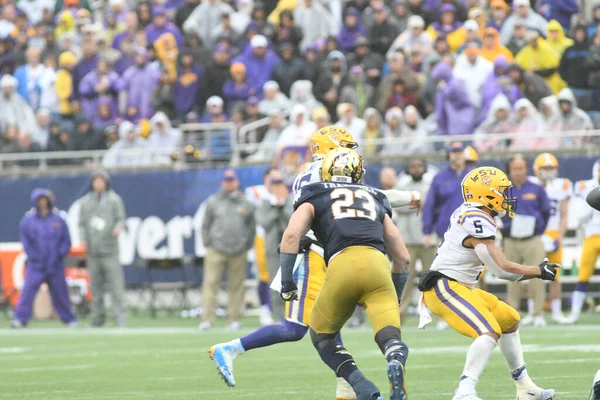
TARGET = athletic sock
x,y
478,355
264,294
510,345
396,350
530,306
578,298
285,331
556,307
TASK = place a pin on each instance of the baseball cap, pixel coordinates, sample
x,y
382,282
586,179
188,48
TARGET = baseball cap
x,y
229,175
357,69
252,101
471,25
525,3
214,101
456,146
498,4
259,41
447,8
531,35
271,85
416,21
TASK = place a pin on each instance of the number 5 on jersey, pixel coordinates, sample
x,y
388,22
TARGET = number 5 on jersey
x,y
346,205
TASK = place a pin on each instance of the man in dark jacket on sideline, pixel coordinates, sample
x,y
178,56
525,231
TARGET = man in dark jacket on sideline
x,y
46,242
574,69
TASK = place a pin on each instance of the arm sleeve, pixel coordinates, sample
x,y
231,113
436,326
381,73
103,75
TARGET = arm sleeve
x,y
26,241
120,219
65,241
400,198
544,206
485,257
429,208
207,222
82,222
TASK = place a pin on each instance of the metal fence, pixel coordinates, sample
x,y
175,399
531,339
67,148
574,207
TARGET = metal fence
x,y
220,144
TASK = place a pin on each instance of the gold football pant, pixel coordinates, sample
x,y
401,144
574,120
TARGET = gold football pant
x,y
470,312
358,275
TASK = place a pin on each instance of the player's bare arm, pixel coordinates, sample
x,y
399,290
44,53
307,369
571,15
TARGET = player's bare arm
x,y
299,224
493,258
395,247
398,252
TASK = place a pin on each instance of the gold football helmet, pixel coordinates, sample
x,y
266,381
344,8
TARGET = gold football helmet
x,y
471,155
342,165
545,166
489,187
329,138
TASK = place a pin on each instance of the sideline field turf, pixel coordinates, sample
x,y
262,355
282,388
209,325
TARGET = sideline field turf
x,y
167,359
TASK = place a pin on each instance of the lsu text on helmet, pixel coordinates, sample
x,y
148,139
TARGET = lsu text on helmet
x,y
490,188
329,138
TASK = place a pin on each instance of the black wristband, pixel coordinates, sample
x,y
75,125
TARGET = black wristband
x,y
287,261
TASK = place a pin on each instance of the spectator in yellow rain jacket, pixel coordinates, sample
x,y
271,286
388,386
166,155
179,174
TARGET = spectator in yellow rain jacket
x,y
167,52
66,24
64,83
491,47
538,57
557,39
449,27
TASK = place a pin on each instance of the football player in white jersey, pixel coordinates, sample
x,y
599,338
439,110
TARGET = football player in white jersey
x,y
309,275
559,190
449,287
591,244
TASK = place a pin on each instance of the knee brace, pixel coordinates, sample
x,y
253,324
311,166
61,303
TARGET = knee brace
x,y
333,354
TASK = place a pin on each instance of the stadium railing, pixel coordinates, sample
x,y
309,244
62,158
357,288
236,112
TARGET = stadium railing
x,y
207,143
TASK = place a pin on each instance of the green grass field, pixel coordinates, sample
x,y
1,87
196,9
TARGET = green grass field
x,y
167,359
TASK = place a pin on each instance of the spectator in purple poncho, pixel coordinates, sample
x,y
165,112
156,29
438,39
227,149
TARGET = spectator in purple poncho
x,y
351,30
237,89
106,113
131,28
99,82
86,65
127,58
454,112
259,61
138,83
187,91
161,25
498,82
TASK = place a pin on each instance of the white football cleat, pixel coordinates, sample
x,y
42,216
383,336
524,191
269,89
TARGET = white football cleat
x,y
595,394
204,326
559,319
344,391
572,319
539,321
527,320
442,325
458,395
264,316
535,393
234,326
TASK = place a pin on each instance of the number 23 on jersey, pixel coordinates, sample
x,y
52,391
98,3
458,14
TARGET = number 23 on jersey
x,y
353,204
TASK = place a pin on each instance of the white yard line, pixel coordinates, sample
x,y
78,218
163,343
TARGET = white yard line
x,y
46,369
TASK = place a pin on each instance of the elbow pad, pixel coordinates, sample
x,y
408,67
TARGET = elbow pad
x,y
485,257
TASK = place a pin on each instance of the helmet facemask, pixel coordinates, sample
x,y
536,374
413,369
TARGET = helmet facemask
x,y
548,173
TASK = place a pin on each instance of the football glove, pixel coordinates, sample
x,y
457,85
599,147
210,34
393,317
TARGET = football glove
x,y
548,271
289,291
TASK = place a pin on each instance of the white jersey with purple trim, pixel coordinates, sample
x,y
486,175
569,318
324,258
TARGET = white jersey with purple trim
x,y
557,190
455,260
591,222
311,174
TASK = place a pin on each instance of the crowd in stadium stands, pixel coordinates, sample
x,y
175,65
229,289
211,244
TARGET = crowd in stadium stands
x,y
118,74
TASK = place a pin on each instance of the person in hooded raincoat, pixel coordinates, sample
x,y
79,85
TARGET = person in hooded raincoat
x,y
538,57
498,119
46,242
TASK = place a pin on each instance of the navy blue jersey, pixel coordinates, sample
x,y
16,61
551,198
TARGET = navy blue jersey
x,y
346,215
